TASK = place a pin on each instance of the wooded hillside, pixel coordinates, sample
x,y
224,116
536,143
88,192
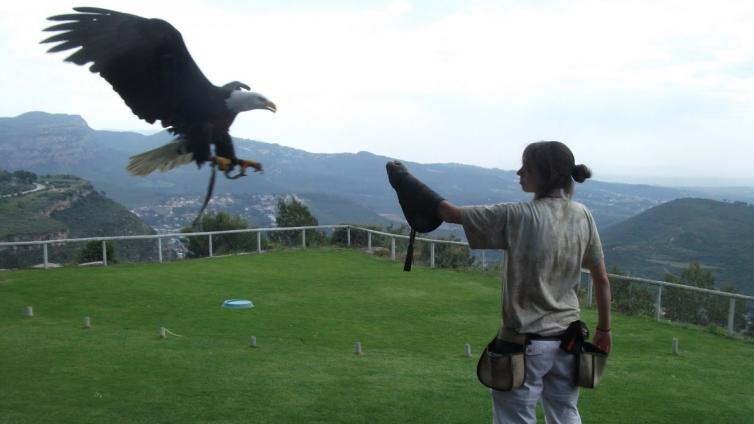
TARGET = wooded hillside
x,y
666,238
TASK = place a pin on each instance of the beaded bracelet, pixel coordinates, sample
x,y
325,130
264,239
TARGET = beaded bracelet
x,y
603,330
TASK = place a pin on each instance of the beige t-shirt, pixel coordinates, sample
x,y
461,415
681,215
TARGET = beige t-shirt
x,y
547,242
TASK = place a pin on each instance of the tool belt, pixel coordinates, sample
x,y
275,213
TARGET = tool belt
x,y
502,365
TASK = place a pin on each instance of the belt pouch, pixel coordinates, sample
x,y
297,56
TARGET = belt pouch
x,y
502,365
591,365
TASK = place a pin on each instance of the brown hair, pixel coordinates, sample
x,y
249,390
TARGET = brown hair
x,y
554,162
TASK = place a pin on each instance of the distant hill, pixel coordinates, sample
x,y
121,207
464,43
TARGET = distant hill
x,y
65,207
666,238
64,144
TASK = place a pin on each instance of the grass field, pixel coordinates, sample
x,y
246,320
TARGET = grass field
x,y
311,307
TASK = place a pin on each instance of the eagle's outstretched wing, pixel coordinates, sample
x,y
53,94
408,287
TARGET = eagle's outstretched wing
x,y
145,61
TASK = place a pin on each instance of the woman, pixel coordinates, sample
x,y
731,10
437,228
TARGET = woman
x,y
547,242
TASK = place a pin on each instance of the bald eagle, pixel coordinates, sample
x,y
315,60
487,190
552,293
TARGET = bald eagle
x,y
149,66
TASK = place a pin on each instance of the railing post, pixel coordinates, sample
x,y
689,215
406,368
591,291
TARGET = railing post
x,y
210,245
392,249
259,242
348,235
484,260
104,253
303,239
731,312
369,242
658,303
159,249
44,254
431,255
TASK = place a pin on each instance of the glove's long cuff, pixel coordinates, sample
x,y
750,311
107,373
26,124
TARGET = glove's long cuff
x,y
410,252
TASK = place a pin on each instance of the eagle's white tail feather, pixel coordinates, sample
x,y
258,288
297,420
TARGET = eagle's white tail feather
x,y
163,158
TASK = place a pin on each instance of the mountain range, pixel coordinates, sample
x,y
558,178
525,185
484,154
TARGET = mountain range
x,y
348,186
646,230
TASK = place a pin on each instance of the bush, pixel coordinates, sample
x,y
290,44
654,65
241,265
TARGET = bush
x,y
92,252
714,329
359,238
700,308
447,255
630,298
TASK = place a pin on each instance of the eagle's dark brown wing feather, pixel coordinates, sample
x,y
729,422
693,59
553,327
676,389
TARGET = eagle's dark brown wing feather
x,y
145,61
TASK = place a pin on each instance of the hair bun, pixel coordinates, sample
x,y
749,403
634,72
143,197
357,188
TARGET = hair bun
x,y
580,173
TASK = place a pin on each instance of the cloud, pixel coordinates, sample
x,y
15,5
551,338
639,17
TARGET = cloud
x,y
630,84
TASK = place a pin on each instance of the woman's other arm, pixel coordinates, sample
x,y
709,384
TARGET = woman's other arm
x,y
603,337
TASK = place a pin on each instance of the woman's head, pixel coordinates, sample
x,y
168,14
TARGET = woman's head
x,y
551,166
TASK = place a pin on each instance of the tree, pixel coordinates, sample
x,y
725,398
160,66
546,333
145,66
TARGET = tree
x,y
447,255
718,308
92,252
700,308
688,306
630,298
198,246
24,176
401,244
295,214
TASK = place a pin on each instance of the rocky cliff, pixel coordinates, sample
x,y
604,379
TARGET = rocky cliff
x,y
37,139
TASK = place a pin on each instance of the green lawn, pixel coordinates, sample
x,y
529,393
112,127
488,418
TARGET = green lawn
x,y
311,307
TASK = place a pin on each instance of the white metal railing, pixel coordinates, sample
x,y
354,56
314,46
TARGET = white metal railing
x,y
159,237
658,298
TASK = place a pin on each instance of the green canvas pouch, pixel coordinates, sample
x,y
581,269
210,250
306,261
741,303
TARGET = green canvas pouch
x,y
591,366
502,365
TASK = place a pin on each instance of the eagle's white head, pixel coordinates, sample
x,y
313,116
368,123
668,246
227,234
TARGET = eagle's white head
x,y
241,101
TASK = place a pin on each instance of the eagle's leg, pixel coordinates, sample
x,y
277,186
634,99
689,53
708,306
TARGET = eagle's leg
x,y
227,165
222,163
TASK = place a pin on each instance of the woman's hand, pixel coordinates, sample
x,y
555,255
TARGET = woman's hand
x,y
603,340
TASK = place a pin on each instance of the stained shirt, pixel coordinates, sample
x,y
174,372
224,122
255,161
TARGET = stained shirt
x,y
547,242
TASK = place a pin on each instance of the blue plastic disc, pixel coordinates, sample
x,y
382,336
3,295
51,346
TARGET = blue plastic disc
x,y
238,304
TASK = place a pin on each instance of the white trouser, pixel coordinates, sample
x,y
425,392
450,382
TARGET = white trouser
x,y
549,377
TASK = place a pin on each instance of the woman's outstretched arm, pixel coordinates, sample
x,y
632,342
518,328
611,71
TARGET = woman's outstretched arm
x,y
448,212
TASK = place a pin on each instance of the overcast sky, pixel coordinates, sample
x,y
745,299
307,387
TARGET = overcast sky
x,y
636,88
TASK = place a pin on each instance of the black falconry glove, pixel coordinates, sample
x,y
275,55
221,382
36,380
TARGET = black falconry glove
x,y
418,202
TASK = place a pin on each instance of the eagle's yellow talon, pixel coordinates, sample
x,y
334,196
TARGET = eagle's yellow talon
x,y
227,165
249,163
